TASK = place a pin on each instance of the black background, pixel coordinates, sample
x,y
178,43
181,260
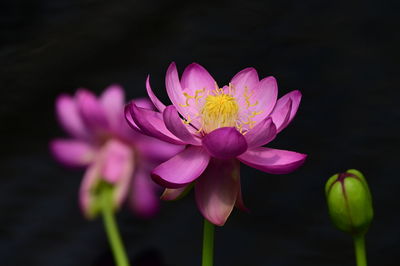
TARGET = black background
x,y
343,56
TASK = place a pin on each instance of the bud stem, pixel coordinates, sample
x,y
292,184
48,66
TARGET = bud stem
x,y
208,244
359,248
111,227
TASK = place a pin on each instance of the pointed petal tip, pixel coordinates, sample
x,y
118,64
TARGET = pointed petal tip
x,y
248,70
295,96
63,100
156,102
193,64
217,222
195,77
268,81
193,67
63,97
246,78
82,92
113,92
114,86
171,65
297,92
271,78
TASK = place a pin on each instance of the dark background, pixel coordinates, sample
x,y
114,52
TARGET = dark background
x,y
343,56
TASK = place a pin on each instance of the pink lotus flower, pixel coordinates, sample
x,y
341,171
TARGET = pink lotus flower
x,y
104,144
220,127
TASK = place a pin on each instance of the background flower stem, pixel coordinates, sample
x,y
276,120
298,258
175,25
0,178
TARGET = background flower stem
x,y
359,247
111,228
208,243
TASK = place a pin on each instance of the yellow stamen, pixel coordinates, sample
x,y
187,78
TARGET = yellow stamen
x,y
247,96
187,121
220,110
196,97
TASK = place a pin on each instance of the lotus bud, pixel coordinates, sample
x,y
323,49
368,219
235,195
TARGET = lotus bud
x,y
349,202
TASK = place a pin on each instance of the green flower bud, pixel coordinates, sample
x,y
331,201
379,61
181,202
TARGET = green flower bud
x,y
349,202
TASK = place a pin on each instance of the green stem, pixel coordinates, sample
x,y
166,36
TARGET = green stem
x,y
110,225
359,248
208,243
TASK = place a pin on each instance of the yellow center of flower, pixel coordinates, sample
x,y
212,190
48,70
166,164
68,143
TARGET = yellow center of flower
x,y
220,110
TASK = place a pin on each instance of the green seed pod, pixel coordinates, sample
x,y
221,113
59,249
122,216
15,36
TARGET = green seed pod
x,y
349,202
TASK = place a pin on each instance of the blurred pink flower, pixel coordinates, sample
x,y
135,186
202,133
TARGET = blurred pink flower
x,y
220,127
103,143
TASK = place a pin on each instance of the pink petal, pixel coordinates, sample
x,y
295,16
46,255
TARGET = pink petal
x,y
157,103
239,201
174,89
112,101
217,189
144,103
181,169
129,119
73,153
139,102
117,161
257,103
282,114
90,179
151,123
225,143
174,193
144,197
273,161
115,164
69,117
122,186
195,77
155,150
261,134
248,77
266,93
177,127
92,112
175,93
